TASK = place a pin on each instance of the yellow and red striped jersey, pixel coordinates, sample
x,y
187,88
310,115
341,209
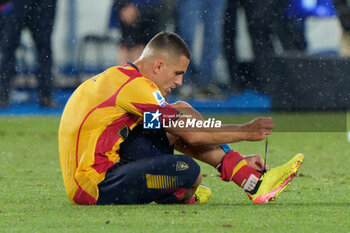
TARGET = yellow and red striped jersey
x,y
96,120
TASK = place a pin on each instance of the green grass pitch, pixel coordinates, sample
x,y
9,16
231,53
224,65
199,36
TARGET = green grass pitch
x,y
32,196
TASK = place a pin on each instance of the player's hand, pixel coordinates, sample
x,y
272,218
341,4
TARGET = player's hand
x,y
255,162
258,128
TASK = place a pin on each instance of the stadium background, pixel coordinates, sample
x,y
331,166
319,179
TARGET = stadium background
x,y
314,80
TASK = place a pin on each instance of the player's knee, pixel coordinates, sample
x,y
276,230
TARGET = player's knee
x,y
191,191
189,175
198,180
189,169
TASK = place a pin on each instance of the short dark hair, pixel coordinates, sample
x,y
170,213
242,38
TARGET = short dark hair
x,y
170,41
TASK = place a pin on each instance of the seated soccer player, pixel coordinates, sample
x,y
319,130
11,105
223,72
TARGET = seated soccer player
x,y
108,156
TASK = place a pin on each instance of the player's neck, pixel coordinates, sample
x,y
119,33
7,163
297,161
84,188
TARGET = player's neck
x,y
144,69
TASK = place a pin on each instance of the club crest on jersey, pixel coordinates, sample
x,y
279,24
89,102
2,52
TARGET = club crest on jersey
x,y
159,98
151,120
181,166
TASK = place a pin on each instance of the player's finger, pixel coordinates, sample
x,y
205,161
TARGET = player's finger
x,y
260,163
268,123
268,132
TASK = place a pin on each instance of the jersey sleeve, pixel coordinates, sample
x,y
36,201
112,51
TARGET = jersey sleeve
x,y
142,95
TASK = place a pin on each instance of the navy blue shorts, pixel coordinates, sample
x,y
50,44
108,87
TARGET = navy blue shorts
x,y
147,171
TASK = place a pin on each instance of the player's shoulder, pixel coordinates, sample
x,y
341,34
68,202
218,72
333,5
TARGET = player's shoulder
x,y
142,84
136,78
142,90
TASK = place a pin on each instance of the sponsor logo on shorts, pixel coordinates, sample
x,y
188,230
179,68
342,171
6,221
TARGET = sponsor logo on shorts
x,y
181,166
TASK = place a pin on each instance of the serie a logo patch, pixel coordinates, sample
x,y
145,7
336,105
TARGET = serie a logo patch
x,y
151,120
159,98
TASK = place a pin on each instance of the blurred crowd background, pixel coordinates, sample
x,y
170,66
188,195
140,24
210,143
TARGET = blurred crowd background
x,y
292,51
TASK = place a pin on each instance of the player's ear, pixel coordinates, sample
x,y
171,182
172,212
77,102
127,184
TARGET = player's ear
x,y
158,66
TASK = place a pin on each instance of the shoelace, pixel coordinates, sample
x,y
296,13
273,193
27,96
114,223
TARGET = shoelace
x,y
196,198
265,156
